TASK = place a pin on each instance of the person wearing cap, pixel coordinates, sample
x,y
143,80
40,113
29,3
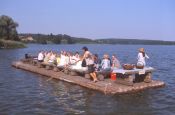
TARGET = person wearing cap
x,y
142,57
86,52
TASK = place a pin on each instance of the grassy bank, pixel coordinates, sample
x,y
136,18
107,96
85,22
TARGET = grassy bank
x,y
8,44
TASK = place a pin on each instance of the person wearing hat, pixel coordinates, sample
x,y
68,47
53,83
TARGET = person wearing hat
x,y
142,57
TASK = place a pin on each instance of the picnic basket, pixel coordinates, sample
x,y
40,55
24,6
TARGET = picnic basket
x,y
128,66
139,66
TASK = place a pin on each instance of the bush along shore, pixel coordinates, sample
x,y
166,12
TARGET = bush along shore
x,y
9,44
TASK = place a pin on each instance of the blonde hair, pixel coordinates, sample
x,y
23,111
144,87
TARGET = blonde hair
x,y
106,56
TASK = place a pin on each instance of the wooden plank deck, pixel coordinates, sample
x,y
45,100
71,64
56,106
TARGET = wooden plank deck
x,y
107,86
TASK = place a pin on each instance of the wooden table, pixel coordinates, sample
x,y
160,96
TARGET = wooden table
x,y
129,77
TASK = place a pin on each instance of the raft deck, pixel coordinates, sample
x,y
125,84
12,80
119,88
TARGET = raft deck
x,y
107,86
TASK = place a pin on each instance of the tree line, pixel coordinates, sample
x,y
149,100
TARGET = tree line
x,y
8,32
66,39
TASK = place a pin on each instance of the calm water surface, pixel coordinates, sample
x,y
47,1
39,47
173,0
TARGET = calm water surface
x,y
25,93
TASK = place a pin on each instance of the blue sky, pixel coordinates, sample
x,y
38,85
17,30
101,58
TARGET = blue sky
x,y
133,19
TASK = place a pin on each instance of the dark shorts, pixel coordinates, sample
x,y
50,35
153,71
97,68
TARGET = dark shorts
x,y
91,68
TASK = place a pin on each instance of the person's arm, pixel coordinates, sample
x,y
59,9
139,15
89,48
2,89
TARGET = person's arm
x,y
102,62
113,64
146,56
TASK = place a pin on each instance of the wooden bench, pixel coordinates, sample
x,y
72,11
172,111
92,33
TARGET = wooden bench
x,y
129,77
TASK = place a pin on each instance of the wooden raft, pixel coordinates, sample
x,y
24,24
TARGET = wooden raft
x,y
107,86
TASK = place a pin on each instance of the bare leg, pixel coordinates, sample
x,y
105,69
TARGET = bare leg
x,y
91,74
95,76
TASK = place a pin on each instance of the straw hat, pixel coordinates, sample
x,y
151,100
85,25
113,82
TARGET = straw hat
x,y
141,50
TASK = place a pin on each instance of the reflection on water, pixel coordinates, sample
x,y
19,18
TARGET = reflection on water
x,y
22,92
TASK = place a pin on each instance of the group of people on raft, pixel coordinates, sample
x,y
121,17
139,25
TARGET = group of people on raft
x,y
86,61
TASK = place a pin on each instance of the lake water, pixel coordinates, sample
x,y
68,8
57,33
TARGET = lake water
x,y
26,93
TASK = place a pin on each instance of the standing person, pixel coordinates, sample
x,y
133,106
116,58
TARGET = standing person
x,y
115,62
142,57
86,53
91,67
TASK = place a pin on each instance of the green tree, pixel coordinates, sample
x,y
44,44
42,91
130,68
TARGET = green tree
x,y
68,38
40,39
8,28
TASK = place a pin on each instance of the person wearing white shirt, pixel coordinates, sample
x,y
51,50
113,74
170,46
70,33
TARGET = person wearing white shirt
x,y
62,60
142,57
40,56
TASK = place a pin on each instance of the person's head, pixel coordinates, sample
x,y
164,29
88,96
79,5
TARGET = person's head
x,y
114,56
85,48
142,50
64,53
105,56
76,53
45,53
58,55
96,55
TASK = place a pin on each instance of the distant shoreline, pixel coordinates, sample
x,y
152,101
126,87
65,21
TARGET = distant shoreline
x,y
66,39
9,44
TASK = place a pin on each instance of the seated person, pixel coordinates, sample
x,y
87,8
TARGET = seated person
x,y
62,59
115,62
91,67
52,59
78,65
47,57
97,62
41,56
57,59
105,64
75,58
